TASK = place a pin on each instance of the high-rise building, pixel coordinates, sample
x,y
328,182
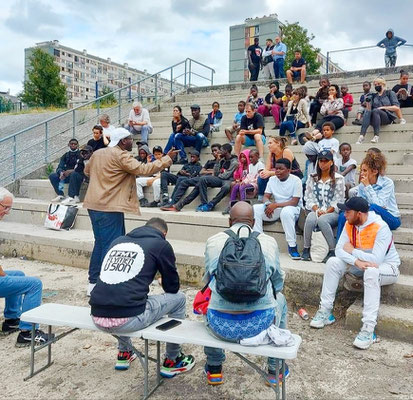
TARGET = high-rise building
x,y
79,71
242,36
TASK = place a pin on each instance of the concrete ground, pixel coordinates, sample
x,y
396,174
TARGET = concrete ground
x,y
328,367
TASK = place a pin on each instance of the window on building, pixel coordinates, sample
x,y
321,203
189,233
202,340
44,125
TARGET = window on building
x,y
63,53
56,52
63,68
69,55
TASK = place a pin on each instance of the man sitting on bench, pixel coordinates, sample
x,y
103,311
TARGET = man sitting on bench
x,y
120,302
22,293
234,320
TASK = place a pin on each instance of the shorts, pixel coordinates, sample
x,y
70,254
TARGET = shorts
x,y
249,140
296,75
232,130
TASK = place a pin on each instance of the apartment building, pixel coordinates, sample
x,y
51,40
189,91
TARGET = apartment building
x,y
82,73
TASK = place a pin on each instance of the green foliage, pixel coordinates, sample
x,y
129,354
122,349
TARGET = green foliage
x,y
110,99
6,105
297,38
43,87
49,169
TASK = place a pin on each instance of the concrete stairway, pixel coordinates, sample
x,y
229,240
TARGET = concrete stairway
x,y
22,232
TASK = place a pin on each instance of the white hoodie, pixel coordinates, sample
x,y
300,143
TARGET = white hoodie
x,y
379,254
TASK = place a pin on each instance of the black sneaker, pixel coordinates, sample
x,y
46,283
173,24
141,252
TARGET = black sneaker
x,y
165,200
357,122
331,253
305,256
9,326
153,204
25,338
143,202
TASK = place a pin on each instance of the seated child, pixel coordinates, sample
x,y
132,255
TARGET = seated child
x,y
346,166
215,117
246,176
236,125
362,108
348,101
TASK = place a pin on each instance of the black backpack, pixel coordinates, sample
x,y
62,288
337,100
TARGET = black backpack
x,y
241,271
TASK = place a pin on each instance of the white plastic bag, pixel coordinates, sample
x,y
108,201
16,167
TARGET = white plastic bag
x,y
319,246
60,217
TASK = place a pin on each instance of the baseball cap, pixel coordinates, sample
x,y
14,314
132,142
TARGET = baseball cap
x,y
195,107
194,152
325,155
355,204
117,135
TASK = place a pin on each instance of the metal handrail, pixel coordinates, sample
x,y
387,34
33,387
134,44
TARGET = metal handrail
x,y
352,49
122,101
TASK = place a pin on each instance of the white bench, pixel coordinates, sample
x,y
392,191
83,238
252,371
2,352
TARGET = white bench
x,y
189,332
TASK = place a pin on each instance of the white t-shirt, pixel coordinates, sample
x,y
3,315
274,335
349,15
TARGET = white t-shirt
x,y
254,169
283,191
351,176
143,116
331,144
107,131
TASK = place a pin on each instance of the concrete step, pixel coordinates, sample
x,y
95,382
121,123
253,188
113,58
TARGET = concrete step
x,y
394,322
303,279
184,225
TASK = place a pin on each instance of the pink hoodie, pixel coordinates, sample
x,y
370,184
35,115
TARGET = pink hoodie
x,y
241,172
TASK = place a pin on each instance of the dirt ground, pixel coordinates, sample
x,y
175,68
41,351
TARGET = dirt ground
x,y
328,367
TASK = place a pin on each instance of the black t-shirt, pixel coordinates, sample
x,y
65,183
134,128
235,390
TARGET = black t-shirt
x,y
269,99
96,144
257,121
256,52
298,63
210,164
398,87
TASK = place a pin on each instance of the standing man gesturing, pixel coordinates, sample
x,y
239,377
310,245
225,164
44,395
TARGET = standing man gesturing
x,y
112,192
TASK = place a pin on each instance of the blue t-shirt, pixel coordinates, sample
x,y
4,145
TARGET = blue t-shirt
x,y
280,47
238,116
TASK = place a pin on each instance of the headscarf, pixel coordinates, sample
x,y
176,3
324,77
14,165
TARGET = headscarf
x,y
239,172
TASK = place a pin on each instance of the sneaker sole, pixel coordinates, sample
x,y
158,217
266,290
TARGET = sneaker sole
x,y
126,366
325,324
212,383
167,374
20,345
364,347
7,333
269,384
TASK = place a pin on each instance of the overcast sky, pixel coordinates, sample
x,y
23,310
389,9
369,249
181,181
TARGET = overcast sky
x,y
157,33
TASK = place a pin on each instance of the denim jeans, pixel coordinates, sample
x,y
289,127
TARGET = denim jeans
x,y
107,226
144,132
216,357
392,221
22,293
170,143
55,180
182,141
262,184
75,183
279,68
170,304
291,126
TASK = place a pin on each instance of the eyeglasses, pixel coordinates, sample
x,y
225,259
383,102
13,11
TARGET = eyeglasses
x,y
5,207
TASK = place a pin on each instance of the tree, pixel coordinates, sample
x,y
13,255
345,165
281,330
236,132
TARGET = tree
x,y
6,105
296,38
108,100
43,88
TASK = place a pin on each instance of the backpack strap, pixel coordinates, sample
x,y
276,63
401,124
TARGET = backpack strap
x,y
231,233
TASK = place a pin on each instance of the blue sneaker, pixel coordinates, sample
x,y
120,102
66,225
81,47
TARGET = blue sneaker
x,y
293,252
206,207
364,339
272,379
183,363
321,319
199,208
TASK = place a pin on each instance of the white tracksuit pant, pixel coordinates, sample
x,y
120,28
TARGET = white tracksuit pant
x,y
288,216
373,278
141,182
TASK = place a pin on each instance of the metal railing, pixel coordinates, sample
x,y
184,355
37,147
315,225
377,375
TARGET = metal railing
x,y
25,151
353,49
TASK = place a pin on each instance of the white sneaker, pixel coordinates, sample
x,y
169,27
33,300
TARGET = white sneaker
x,y
321,319
402,121
90,287
364,339
375,139
361,140
58,199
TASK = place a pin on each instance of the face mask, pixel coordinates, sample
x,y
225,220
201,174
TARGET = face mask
x,y
377,88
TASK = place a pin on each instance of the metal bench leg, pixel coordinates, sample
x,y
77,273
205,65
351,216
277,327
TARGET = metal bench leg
x,y
158,364
283,380
146,392
49,348
146,371
32,352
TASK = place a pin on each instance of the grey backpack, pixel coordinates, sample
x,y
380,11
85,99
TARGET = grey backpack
x,y
241,272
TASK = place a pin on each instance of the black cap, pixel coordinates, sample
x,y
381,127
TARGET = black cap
x,y
87,148
325,154
195,107
194,153
355,204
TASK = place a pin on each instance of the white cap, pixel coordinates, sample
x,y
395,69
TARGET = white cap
x,y
117,135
